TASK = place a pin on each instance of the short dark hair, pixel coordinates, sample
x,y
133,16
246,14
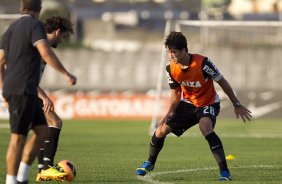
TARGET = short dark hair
x,y
57,22
30,5
176,40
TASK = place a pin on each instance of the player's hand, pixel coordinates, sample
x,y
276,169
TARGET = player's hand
x,y
47,105
243,112
71,79
165,119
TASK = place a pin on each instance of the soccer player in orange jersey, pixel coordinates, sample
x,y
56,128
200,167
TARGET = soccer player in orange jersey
x,y
193,101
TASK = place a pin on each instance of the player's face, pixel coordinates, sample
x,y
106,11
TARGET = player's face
x,y
59,38
176,55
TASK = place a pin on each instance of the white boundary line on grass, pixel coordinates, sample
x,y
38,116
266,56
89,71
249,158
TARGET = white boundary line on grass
x,y
223,135
149,177
240,135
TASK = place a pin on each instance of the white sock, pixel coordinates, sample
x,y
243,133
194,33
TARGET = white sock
x,y
11,179
23,172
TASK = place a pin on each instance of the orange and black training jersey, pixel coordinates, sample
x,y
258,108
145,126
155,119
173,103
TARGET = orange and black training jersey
x,y
196,81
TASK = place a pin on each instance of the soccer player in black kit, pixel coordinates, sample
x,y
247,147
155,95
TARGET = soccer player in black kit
x,y
58,29
21,49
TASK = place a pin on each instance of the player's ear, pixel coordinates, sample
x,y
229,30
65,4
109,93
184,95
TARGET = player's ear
x,y
58,32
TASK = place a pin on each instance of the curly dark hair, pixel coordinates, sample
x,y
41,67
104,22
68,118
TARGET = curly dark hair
x,y
57,22
176,40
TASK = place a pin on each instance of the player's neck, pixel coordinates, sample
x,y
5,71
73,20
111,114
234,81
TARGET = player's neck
x,y
31,13
186,60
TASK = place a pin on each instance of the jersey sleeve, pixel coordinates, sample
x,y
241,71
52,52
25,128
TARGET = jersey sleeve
x,y
210,70
38,33
173,84
4,41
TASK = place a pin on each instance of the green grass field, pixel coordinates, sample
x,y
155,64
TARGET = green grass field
x,y
108,152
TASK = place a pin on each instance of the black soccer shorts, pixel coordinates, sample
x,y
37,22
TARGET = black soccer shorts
x,y
25,113
187,115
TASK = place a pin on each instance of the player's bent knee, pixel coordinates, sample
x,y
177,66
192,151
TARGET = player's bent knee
x,y
17,139
59,123
162,131
54,120
205,126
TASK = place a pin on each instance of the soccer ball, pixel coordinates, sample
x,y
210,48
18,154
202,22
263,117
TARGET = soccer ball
x,y
67,167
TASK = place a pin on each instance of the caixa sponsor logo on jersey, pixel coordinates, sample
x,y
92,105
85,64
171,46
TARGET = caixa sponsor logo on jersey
x,y
195,84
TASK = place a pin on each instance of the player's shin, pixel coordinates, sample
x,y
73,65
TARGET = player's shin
x,y
156,146
51,147
217,150
40,156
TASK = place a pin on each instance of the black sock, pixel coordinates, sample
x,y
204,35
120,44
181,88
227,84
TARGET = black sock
x,y
156,146
40,156
51,147
217,150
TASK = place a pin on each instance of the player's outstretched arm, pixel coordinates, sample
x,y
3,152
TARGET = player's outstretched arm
x,y
240,110
174,102
50,58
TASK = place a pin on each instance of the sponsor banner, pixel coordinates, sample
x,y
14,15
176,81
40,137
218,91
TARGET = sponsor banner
x,y
101,106
105,106
263,104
